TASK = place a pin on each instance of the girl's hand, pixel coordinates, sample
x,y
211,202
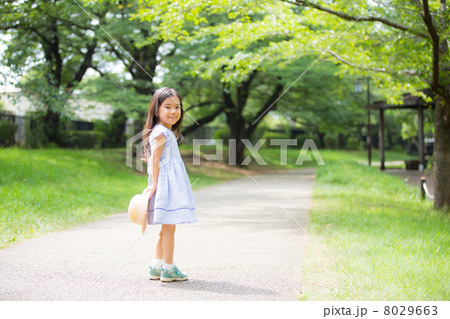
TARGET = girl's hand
x,y
150,190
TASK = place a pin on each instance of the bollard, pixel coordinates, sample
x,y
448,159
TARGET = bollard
x,y
422,188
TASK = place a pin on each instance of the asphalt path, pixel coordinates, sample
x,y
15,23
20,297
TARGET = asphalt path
x,y
248,244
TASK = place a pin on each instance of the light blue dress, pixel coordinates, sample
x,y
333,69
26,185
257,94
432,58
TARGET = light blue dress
x,y
173,201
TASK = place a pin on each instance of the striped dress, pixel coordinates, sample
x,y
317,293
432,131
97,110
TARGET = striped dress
x,y
173,201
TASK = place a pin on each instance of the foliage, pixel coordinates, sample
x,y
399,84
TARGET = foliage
x,y
51,47
290,33
301,138
43,96
275,34
50,57
330,141
216,22
35,131
273,39
268,135
79,139
111,133
7,131
354,144
222,134
405,44
114,90
410,123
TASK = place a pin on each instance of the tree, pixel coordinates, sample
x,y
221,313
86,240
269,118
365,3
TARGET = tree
x,y
326,103
52,47
51,80
124,40
240,72
132,42
420,49
405,51
242,100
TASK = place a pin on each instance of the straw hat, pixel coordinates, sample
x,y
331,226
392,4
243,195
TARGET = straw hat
x,y
138,209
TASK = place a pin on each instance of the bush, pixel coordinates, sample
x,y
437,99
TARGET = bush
x,y
301,138
258,134
330,141
111,133
222,134
80,139
35,132
354,144
397,148
274,135
269,135
7,131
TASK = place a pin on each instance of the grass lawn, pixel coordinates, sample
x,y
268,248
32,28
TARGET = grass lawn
x,y
271,156
386,243
44,190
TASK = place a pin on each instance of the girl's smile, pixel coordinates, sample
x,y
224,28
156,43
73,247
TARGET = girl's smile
x,y
170,111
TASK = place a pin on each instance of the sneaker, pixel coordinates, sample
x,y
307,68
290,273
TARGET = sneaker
x,y
174,274
155,273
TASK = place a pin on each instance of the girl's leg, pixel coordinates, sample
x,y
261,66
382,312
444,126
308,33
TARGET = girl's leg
x,y
158,248
168,242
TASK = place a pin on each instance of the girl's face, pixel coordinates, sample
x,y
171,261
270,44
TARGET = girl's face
x,y
170,111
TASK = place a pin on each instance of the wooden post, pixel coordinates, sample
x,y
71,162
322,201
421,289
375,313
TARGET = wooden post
x,y
381,139
421,140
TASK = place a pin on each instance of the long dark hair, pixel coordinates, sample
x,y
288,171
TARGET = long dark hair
x,y
152,118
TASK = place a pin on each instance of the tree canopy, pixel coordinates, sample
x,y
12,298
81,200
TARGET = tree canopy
x,y
235,59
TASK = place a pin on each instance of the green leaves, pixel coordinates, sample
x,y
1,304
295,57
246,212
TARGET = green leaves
x,y
115,91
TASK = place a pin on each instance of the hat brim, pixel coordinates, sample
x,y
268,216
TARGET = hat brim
x,y
138,210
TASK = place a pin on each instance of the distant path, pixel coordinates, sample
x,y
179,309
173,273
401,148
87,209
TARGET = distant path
x,y
244,247
413,177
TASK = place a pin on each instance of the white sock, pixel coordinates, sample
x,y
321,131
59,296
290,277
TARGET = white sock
x,y
168,266
157,263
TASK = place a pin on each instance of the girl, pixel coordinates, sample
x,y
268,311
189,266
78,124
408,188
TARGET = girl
x,y
170,193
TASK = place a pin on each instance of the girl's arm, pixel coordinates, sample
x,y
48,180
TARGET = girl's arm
x,y
155,162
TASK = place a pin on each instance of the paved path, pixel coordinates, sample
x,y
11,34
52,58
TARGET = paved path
x,y
244,247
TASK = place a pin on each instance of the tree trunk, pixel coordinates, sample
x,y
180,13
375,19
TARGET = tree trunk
x,y
321,138
440,85
237,132
341,141
52,127
442,154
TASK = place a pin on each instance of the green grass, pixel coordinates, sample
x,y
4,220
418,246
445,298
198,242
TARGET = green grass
x,y
387,244
272,155
44,190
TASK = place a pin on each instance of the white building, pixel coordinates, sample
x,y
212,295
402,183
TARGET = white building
x,y
17,107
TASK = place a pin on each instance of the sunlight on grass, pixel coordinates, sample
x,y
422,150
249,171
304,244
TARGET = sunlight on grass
x,y
393,245
44,190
